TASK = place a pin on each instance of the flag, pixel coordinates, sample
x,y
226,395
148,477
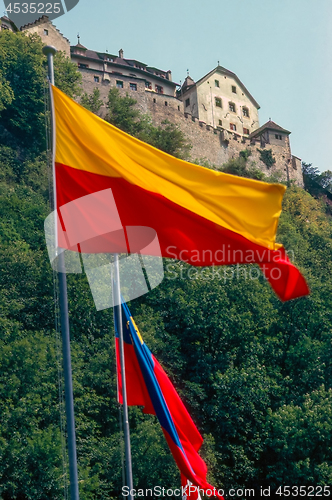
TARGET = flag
x,y
201,216
147,385
189,491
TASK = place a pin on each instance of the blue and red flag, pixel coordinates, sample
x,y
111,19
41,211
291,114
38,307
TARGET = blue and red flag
x,y
148,385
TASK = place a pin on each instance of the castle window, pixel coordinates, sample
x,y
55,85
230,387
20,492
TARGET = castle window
x,y
46,32
154,100
119,84
187,103
232,126
159,89
96,79
83,66
220,122
178,108
216,83
148,85
233,89
166,103
218,102
232,107
133,86
245,111
277,136
245,131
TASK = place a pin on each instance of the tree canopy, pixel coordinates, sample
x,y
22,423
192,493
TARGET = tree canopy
x,y
168,137
23,88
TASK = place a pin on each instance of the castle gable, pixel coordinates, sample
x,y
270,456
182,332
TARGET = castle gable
x,y
219,70
219,99
49,34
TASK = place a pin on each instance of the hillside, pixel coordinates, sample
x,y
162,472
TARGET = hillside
x,y
255,373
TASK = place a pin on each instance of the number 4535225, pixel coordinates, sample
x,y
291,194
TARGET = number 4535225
x,y
32,8
303,491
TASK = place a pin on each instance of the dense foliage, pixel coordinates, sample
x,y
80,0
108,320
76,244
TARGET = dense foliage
x,y
255,373
22,87
317,183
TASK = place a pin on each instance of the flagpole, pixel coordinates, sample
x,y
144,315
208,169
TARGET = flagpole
x,y
49,51
118,315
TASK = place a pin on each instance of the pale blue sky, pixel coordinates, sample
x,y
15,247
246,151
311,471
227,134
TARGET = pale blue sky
x,y
280,49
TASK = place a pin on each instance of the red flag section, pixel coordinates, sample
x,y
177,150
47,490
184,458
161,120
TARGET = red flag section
x,y
148,386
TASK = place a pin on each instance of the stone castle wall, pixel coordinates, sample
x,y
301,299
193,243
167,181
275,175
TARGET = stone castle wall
x,y
208,143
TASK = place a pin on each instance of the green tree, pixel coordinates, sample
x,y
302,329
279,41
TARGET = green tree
x,y
6,93
66,76
92,102
300,438
23,92
316,183
167,136
325,179
123,114
310,178
21,63
239,166
170,139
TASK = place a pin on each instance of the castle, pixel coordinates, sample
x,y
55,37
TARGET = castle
x,y
217,113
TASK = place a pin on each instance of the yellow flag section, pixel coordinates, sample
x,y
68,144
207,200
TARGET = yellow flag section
x,y
200,216
86,142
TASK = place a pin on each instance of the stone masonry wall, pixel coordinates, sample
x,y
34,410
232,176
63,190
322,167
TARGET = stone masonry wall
x,y
208,143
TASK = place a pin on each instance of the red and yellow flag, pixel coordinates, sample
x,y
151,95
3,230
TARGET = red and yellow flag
x,y
201,216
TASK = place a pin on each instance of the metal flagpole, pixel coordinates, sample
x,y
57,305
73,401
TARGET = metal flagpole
x,y
118,316
49,51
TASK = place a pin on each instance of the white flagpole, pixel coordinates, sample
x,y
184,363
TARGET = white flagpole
x,y
49,51
118,316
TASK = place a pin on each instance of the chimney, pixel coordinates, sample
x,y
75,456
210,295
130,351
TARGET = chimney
x,y
169,75
121,54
